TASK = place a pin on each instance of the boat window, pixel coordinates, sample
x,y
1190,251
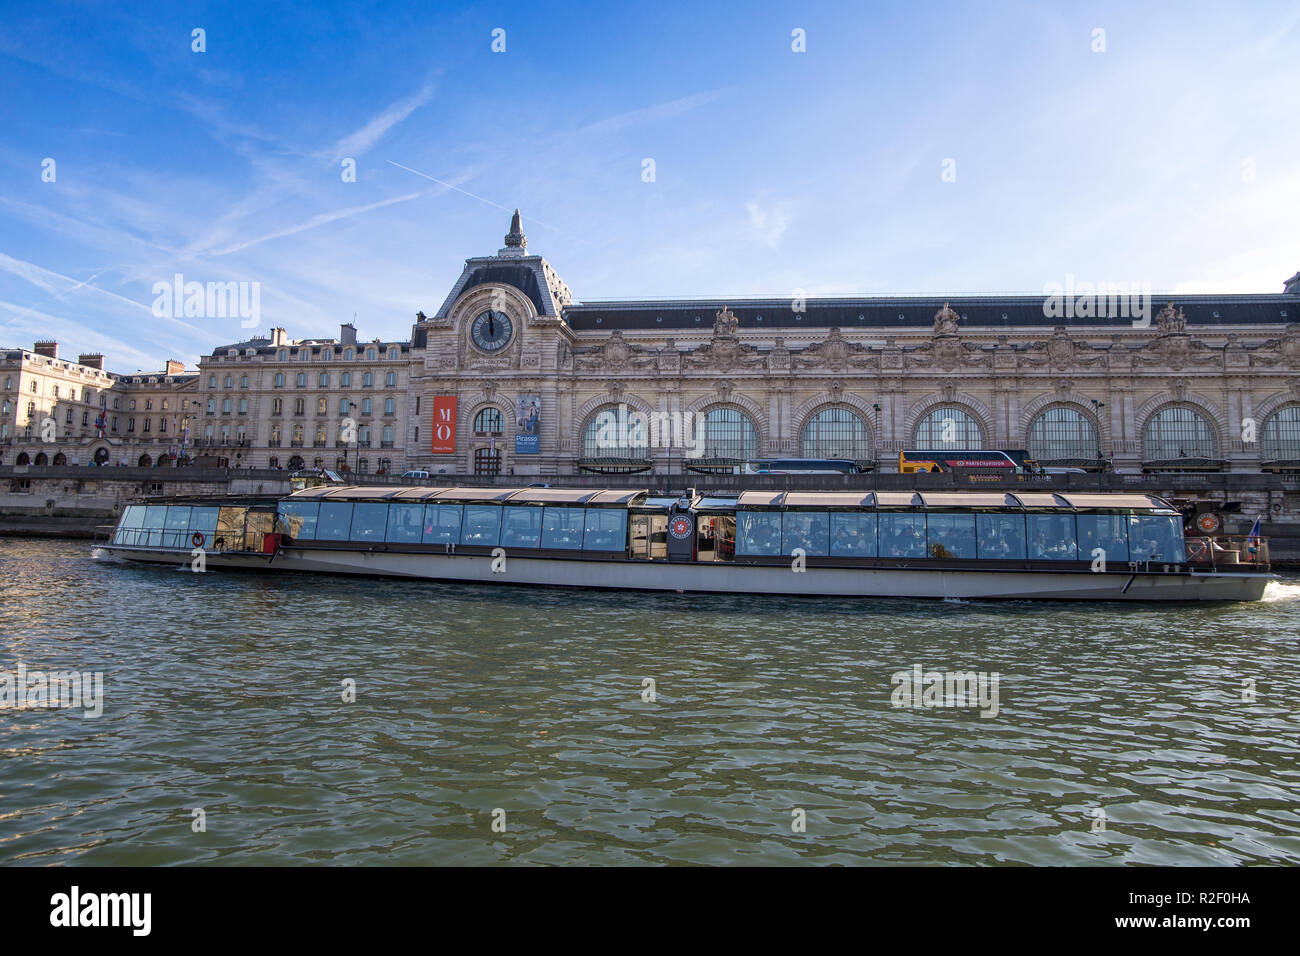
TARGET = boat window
x,y
441,524
606,530
229,535
405,521
853,534
335,520
204,520
482,525
521,527
1108,532
1157,538
154,517
902,534
562,528
1051,537
950,536
177,529
369,521
299,519
128,528
1001,536
804,529
758,532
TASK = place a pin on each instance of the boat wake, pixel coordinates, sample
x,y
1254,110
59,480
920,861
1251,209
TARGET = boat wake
x,y
99,554
1277,591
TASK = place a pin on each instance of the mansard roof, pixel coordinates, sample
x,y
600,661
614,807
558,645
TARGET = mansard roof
x,y
910,312
525,273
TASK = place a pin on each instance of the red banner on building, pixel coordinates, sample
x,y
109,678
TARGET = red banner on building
x,y
444,424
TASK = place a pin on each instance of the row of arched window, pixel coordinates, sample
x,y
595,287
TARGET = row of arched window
x,y
1060,433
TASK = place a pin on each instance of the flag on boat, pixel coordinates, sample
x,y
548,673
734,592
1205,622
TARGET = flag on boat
x,y
1254,529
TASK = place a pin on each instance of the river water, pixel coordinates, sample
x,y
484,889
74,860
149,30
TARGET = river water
x,y
513,725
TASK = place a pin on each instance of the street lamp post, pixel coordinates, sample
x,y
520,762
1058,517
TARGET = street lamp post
x,y
875,460
1101,462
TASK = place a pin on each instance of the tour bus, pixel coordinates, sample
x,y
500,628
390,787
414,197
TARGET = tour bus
x,y
936,460
800,466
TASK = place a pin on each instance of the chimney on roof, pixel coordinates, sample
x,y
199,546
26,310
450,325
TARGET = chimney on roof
x,y
1292,285
48,349
278,337
175,368
347,334
91,360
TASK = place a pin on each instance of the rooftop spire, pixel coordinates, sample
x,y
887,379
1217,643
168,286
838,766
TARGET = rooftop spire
x,y
515,238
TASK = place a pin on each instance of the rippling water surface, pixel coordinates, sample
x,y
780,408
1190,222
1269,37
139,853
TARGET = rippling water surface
x,y
224,692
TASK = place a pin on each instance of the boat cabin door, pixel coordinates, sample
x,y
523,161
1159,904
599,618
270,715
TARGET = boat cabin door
x,y
681,536
649,537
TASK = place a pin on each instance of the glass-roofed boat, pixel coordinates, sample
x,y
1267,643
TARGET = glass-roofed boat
x,y
1094,546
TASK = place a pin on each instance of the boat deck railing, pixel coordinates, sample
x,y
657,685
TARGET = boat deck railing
x,y
1228,553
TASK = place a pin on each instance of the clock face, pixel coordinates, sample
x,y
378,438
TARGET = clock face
x,y
491,330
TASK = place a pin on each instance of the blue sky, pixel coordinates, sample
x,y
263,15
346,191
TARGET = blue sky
x,y
1171,158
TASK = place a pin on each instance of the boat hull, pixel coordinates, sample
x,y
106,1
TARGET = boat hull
x,y
963,584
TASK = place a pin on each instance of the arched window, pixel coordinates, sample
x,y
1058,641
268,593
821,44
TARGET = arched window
x,y
1063,433
295,463
1279,437
616,433
368,380
1178,432
488,422
487,462
60,459
43,459
279,380
836,433
345,380
729,433
144,461
948,426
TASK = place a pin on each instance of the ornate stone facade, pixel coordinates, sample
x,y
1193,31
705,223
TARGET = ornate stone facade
x,y
1200,383
887,364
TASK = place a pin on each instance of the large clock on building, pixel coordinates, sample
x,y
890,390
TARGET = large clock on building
x,y
491,330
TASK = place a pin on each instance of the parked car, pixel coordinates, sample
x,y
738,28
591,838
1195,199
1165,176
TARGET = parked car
x,y
416,475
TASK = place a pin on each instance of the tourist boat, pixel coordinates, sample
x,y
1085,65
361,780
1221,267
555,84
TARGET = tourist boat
x,y
917,544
